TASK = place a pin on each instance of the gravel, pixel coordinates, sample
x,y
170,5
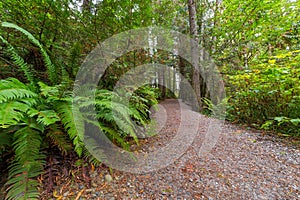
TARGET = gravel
x,y
244,164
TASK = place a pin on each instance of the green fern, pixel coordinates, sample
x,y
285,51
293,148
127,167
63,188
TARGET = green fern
x,y
6,138
12,88
37,115
111,110
19,61
27,165
73,122
15,100
117,137
53,76
70,116
44,117
94,149
58,138
141,101
218,111
74,55
12,113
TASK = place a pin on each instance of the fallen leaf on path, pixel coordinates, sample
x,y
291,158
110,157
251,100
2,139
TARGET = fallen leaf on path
x,y
79,194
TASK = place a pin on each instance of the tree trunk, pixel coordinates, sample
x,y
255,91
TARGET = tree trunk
x,y
174,80
161,82
86,6
197,105
214,38
182,91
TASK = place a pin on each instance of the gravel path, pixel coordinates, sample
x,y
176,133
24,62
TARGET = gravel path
x,y
243,164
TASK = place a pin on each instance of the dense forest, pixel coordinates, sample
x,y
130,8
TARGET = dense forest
x,y
254,46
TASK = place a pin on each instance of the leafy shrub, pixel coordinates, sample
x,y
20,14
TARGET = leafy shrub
x,y
35,116
29,120
268,95
217,111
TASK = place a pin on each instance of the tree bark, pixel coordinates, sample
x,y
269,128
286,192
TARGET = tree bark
x,y
174,80
86,6
161,82
197,104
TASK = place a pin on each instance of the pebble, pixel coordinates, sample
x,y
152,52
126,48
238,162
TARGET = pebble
x,y
266,170
108,178
66,194
94,184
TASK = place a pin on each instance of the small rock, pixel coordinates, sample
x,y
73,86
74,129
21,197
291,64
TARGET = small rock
x,y
93,174
108,178
89,190
66,194
94,185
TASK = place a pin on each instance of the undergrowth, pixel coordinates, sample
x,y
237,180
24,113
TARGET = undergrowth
x,y
37,115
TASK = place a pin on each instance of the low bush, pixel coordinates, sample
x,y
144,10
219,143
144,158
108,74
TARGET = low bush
x,y
267,95
37,115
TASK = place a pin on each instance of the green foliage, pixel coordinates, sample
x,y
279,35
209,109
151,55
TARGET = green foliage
x,y
283,124
29,117
142,100
217,111
268,94
118,119
261,26
14,89
73,123
36,116
16,99
53,76
27,165
19,61
56,136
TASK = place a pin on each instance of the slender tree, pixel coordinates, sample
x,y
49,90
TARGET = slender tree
x,y
195,55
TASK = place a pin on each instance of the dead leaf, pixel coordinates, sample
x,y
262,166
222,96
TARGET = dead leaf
x,y
79,194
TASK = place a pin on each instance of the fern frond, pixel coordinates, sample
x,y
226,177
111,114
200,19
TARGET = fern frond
x,y
59,138
94,149
47,117
64,73
53,76
12,94
73,122
114,135
117,113
26,144
12,113
5,138
142,109
27,165
19,61
127,128
47,90
74,57
44,117
136,115
12,89
15,100
55,93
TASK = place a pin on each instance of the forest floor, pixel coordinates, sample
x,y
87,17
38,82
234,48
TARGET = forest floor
x,y
243,164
